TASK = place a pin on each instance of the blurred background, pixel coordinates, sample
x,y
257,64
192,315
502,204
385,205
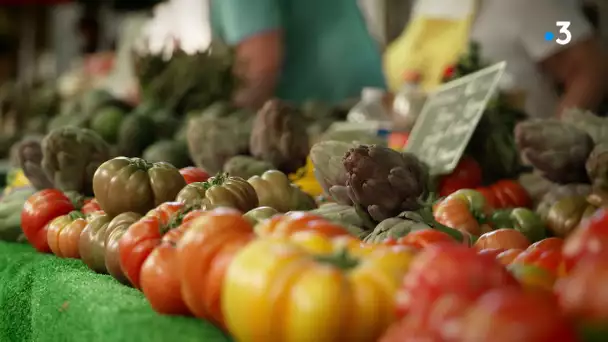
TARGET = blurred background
x,y
46,38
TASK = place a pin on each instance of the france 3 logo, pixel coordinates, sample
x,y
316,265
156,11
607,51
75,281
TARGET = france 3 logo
x,y
563,37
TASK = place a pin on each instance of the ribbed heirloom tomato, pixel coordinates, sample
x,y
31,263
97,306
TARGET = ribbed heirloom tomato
x,y
506,194
296,221
275,290
159,277
204,253
590,239
449,269
38,211
550,260
142,237
510,315
464,210
63,234
90,206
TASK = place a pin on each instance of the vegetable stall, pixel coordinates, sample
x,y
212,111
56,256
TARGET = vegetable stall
x,y
275,227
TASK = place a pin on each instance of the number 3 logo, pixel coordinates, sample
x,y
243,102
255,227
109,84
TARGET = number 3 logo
x,y
566,35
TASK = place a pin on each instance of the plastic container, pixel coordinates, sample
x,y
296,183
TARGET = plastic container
x,y
371,109
408,103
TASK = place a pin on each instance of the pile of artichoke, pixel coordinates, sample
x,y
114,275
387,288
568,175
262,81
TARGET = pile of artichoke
x,y
64,159
572,149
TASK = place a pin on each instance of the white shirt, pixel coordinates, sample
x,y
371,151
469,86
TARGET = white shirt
x,y
514,31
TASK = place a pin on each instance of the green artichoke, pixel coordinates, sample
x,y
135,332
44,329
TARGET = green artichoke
x,y
29,154
246,167
383,182
329,171
597,166
70,157
557,149
344,215
397,227
212,141
279,136
595,126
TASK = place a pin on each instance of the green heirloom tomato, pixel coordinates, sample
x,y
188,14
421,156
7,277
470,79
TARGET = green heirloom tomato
x,y
275,190
259,214
92,243
117,227
566,214
522,219
133,184
220,191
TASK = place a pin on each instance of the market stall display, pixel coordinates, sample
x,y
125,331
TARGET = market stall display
x,y
242,244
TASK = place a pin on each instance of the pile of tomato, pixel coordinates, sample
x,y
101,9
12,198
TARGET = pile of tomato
x,y
299,277
467,175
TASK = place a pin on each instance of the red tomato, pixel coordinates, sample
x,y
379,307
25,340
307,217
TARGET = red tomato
x,y
508,256
513,194
159,279
203,255
590,239
552,243
194,174
494,252
510,314
40,209
445,269
90,206
422,238
506,194
410,329
466,175
142,237
583,293
63,234
491,199
550,260
430,327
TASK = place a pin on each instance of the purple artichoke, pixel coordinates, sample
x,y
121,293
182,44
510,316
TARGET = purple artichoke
x,y
279,136
383,182
557,149
29,155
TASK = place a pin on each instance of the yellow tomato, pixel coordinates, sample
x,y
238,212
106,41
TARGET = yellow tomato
x,y
276,290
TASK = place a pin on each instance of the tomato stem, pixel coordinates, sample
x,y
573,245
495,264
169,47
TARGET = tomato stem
x,y
141,164
341,259
75,215
218,179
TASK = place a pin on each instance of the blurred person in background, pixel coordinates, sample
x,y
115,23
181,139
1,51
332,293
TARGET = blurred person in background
x,y
512,31
298,50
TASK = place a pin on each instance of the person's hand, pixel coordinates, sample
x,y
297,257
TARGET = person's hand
x,y
258,63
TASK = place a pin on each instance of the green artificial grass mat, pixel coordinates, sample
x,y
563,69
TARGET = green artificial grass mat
x,y
47,299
